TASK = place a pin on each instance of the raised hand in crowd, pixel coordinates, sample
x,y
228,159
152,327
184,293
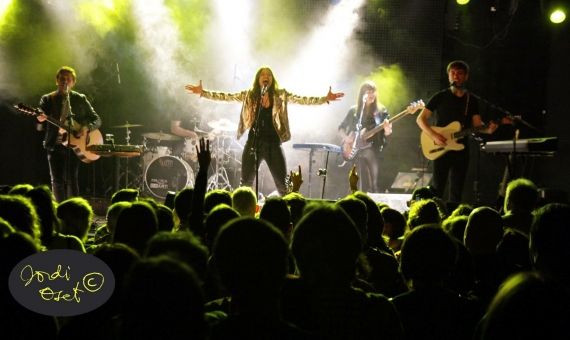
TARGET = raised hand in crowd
x,y
296,180
353,179
203,152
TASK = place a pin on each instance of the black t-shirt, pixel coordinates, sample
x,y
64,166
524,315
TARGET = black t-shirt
x,y
448,108
267,132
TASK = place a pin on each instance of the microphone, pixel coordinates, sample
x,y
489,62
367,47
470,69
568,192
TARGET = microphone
x,y
364,97
263,89
454,84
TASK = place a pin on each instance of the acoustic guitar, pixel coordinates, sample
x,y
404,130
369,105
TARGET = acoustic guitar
x,y
79,138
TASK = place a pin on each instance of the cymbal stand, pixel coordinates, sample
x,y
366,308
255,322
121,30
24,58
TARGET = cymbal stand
x,y
219,180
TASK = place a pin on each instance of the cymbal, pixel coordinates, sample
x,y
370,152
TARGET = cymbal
x,y
127,125
161,136
223,125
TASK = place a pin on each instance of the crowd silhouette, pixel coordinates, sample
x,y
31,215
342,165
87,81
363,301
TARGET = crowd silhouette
x,y
220,265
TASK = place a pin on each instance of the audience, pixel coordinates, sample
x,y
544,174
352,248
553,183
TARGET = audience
x,y
430,310
301,270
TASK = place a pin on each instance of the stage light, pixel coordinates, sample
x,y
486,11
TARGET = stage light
x,y
104,16
557,16
4,8
462,2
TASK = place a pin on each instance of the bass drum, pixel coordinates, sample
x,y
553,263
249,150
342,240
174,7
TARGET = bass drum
x,y
167,173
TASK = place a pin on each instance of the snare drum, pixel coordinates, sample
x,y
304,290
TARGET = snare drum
x,y
167,173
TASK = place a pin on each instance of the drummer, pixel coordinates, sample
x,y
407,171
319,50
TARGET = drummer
x,y
183,125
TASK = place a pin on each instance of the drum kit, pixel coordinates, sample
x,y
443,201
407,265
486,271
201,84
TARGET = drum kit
x,y
167,160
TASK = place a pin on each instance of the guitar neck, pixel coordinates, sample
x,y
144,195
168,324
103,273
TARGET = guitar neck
x,y
465,132
379,128
54,122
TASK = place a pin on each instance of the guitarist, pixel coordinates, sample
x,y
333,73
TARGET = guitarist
x,y
452,104
373,113
65,105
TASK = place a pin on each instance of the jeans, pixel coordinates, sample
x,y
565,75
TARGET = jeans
x,y
62,186
273,155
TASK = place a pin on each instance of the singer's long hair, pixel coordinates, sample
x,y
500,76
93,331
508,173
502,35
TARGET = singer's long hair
x,y
256,88
367,85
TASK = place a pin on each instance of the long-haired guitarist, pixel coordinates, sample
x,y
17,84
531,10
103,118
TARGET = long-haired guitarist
x,y
453,104
70,109
365,115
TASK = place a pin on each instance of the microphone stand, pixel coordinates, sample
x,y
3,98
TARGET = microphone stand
x,y
69,119
255,147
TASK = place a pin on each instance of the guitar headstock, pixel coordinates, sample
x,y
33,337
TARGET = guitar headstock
x,y
27,109
415,106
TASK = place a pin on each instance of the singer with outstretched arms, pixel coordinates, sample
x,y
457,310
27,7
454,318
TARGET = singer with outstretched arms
x,y
453,104
264,113
70,109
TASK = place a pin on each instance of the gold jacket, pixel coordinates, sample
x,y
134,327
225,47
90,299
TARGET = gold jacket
x,y
249,108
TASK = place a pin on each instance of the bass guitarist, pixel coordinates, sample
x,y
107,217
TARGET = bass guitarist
x,y
70,109
449,105
366,114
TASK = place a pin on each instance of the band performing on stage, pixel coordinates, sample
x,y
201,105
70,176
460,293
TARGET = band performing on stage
x,y
165,162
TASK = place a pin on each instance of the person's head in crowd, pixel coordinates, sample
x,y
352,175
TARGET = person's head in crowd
x,y
113,212
183,204
5,189
165,218
296,203
215,220
21,214
394,223
521,197
421,193
428,257
76,216
326,246
375,222
14,247
276,212
5,228
483,232
125,195
455,226
20,189
527,306
162,300
462,210
250,256
423,212
550,240
45,205
182,246
120,258
215,197
382,205
356,210
244,201
136,224
150,201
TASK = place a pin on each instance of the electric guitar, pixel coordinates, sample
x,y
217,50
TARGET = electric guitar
x,y
78,142
452,132
360,138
